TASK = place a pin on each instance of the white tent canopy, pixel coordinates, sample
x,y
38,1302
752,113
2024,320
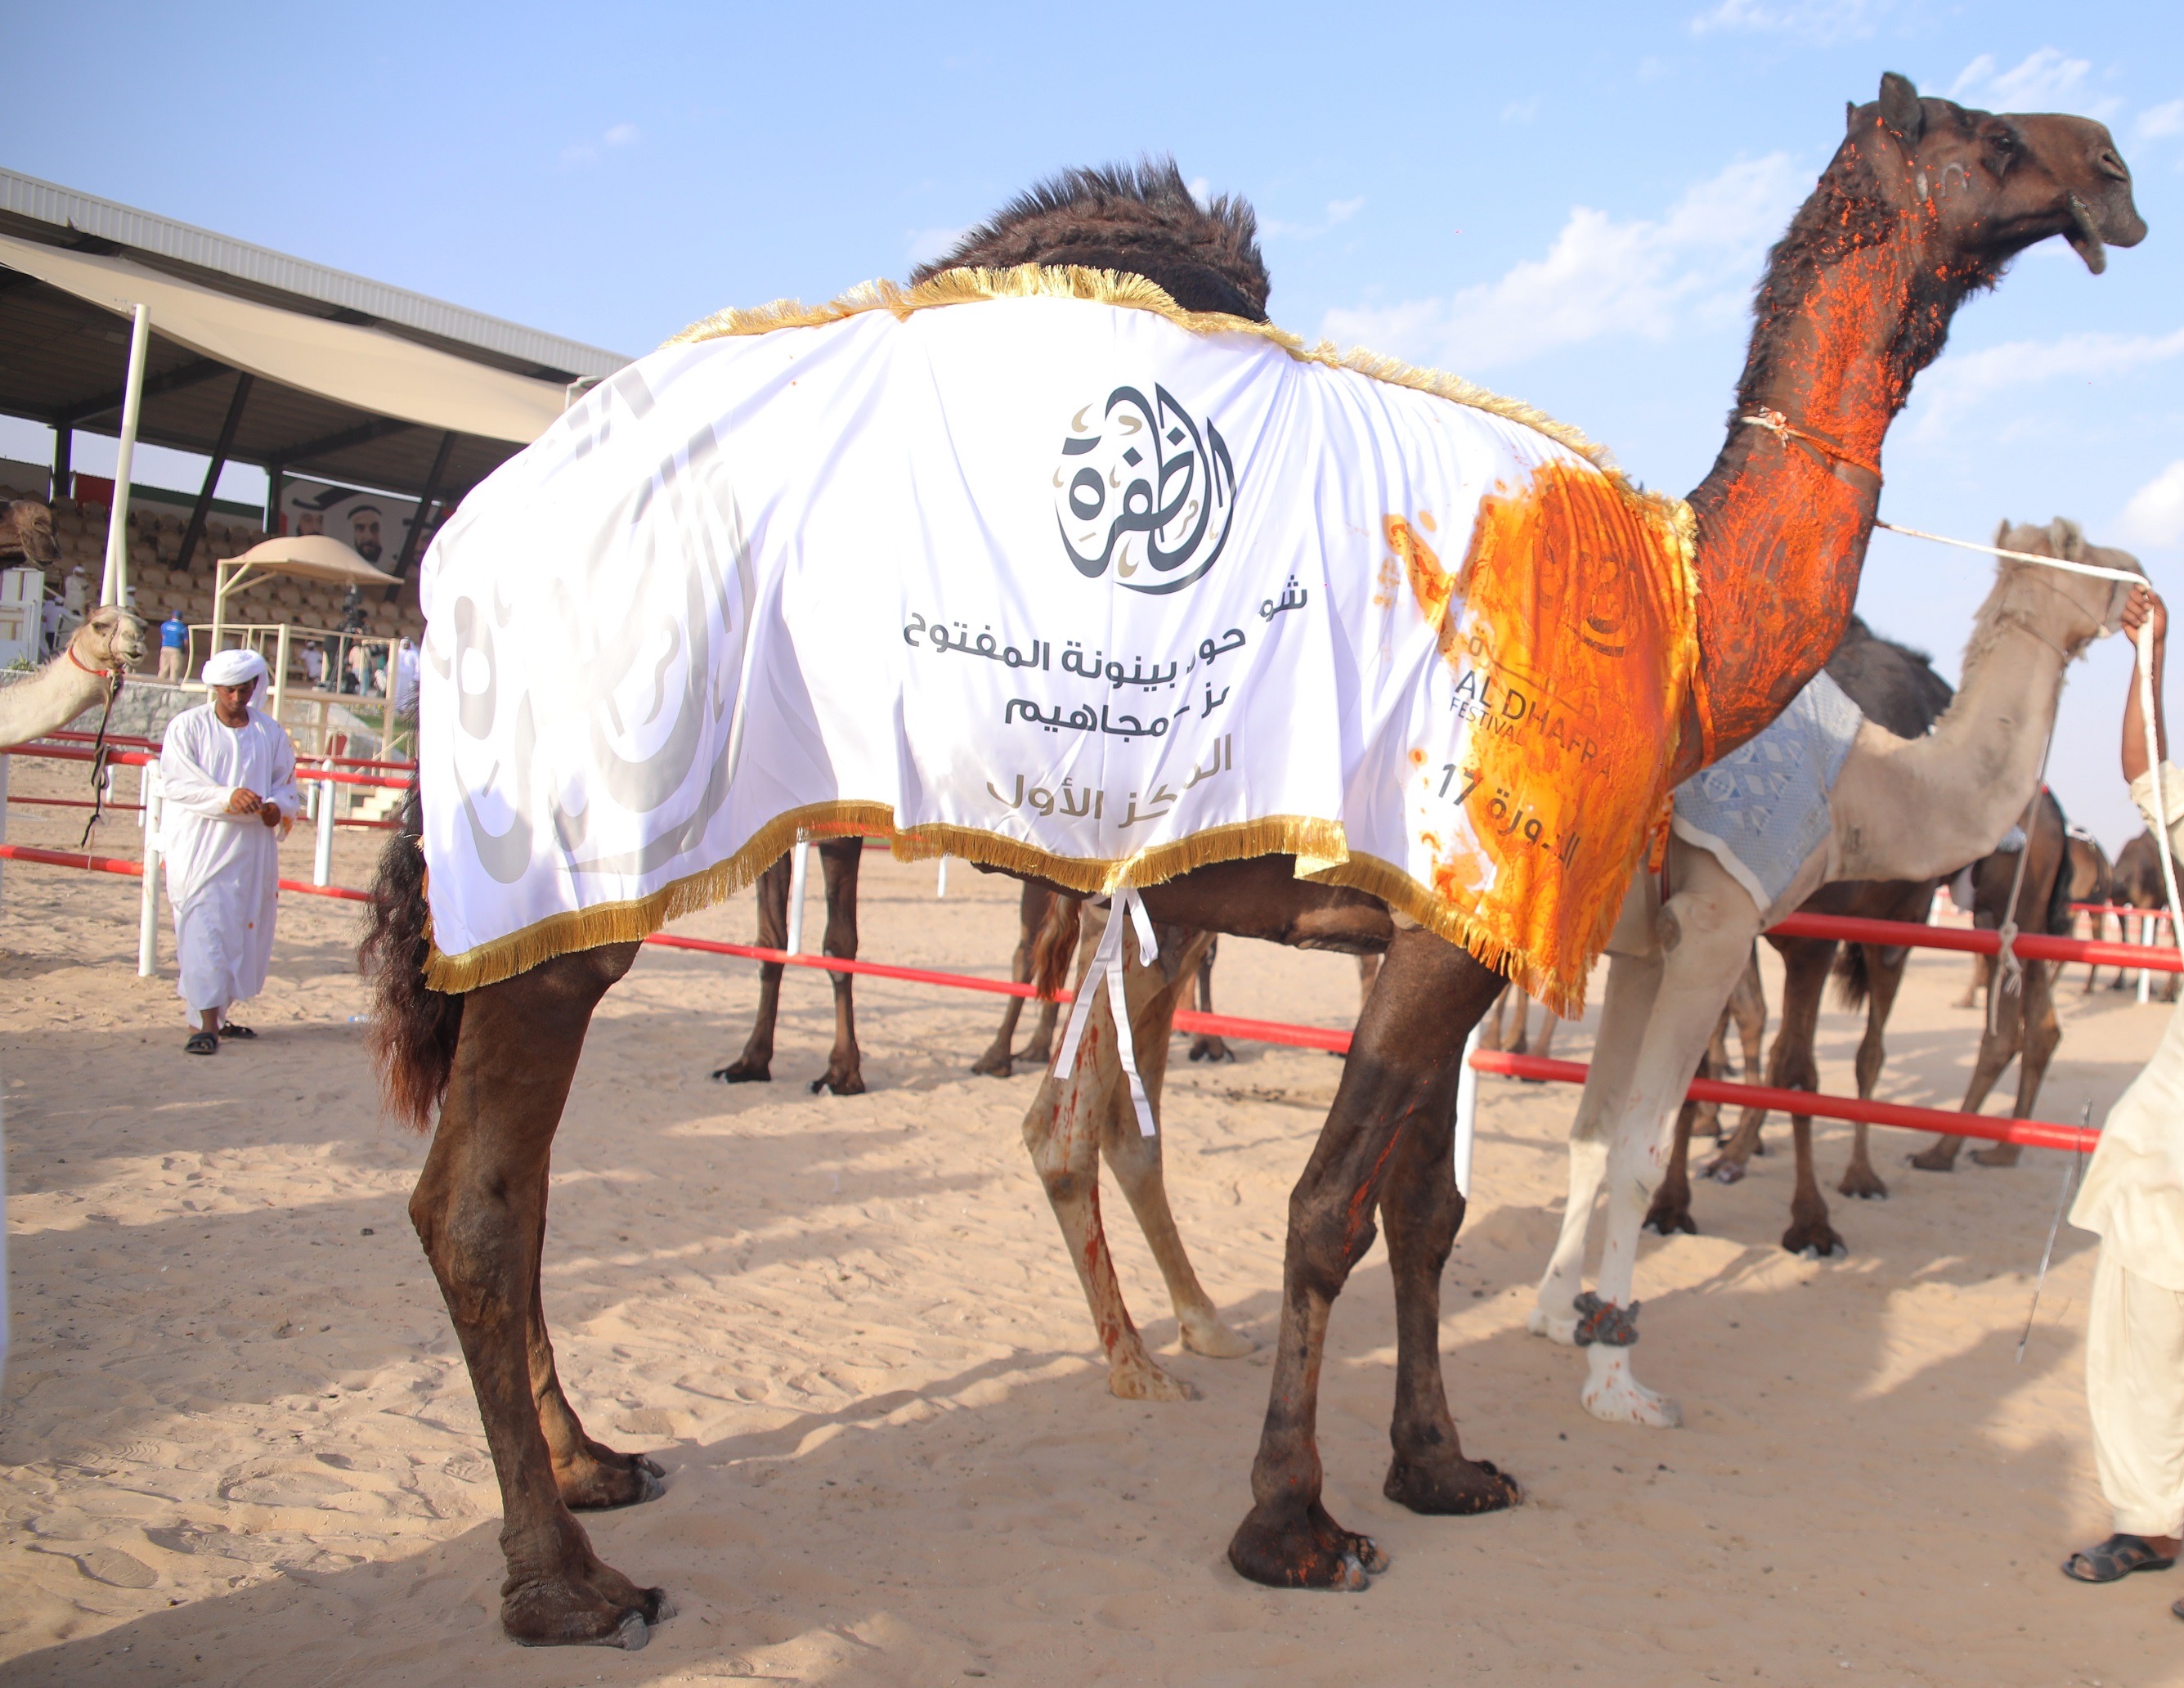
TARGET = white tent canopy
x,y
371,369
308,556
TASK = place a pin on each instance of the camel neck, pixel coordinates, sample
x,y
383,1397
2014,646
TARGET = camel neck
x,y
1783,522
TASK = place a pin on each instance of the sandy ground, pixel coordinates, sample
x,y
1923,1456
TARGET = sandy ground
x,y
237,1445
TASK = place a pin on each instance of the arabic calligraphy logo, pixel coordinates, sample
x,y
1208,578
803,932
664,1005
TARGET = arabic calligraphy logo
x,y
1144,468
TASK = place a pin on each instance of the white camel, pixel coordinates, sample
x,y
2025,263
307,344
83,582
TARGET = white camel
x,y
110,641
1900,809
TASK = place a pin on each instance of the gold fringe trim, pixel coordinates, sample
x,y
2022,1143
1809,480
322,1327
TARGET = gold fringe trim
x,y
626,923
1135,292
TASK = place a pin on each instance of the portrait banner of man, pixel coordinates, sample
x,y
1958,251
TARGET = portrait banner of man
x,y
375,524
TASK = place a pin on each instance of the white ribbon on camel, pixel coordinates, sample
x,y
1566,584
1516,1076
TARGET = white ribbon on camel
x,y
1069,584
1106,969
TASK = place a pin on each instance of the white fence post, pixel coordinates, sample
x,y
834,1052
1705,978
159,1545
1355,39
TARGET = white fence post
x,y
1467,1111
147,907
799,866
322,858
940,888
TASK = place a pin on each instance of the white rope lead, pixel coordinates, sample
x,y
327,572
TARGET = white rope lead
x,y
2095,569
1106,969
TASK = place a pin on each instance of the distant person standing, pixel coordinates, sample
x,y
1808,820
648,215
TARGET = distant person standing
x,y
229,775
174,646
314,664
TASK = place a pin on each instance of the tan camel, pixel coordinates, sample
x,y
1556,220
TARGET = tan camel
x,y
1924,202
108,643
1901,809
26,531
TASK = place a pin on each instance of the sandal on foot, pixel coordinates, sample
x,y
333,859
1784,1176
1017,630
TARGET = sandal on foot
x,y
2115,1559
202,1043
231,1030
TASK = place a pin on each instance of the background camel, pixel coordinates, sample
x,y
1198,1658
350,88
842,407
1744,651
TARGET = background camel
x,y
26,531
1747,1011
1857,299
2136,884
2021,1026
1911,807
108,642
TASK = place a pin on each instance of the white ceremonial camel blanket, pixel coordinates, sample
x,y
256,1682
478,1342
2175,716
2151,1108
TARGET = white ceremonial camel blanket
x,y
1033,568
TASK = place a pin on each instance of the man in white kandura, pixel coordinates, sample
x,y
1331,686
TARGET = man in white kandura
x,y
229,775
2134,1198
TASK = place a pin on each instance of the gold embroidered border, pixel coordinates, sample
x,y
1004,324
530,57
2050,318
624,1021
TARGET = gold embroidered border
x,y
624,922
1135,292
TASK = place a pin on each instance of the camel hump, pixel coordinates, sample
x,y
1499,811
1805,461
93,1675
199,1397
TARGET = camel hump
x,y
1142,219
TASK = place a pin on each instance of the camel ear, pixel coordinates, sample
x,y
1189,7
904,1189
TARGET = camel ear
x,y
1850,115
1899,111
2068,538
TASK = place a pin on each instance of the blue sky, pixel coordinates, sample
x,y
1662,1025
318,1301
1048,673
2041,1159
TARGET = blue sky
x,y
1570,205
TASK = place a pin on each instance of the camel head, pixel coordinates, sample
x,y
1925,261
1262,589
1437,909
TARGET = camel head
x,y
26,527
110,637
1983,186
2070,610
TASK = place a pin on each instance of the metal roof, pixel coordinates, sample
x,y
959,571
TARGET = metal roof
x,y
43,210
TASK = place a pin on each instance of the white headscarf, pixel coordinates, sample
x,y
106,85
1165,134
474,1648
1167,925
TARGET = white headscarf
x,y
233,668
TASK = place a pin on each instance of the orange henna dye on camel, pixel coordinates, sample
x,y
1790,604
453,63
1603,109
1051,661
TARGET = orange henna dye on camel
x,y
1568,632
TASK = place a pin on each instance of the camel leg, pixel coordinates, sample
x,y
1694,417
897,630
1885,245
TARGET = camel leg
x,y
1398,1081
2041,1035
1997,1049
755,1066
1671,1211
997,1062
1704,1119
1204,1045
479,1211
1549,1020
1489,1031
1135,1159
1063,1128
838,861
1884,976
1748,1005
1805,963
1973,985
1633,982
591,1476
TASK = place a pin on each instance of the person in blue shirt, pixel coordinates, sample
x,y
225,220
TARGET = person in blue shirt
x,y
174,646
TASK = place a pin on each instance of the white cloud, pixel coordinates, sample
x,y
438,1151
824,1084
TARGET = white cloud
x,y
2155,514
2160,122
1601,278
1521,111
588,152
929,246
1961,385
1338,212
1823,21
2043,81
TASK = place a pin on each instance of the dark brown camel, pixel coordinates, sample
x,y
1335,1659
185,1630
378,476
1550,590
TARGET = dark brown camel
x,y
2024,1026
2093,880
1746,1009
26,531
1897,687
1923,203
2137,885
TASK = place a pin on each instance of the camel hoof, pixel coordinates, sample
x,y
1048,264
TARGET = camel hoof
x,y
1308,1552
1142,1380
1928,1161
1451,1487
559,1613
745,1073
1205,1048
1824,1244
2001,1156
1863,1189
1666,1222
604,1486
1726,1172
994,1067
1204,1333
1625,1400
850,1084
1555,1327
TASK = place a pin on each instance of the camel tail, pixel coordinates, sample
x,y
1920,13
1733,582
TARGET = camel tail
x,y
1054,946
413,1027
1851,984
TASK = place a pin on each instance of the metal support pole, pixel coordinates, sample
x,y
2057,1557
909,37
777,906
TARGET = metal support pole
x,y
115,586
202,508
63,467
281,670
940,888
322,858
147,908
274,475
800,866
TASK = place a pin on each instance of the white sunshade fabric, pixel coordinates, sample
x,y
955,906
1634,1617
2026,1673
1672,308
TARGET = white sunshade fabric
x,y
309,556
382,373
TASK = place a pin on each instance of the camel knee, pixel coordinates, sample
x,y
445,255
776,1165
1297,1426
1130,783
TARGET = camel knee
x,y
1326,1242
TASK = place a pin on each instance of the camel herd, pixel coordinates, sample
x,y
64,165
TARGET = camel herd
x,y
1926,202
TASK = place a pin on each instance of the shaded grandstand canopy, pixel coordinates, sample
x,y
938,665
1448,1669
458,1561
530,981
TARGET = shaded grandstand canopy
x,y
259,357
